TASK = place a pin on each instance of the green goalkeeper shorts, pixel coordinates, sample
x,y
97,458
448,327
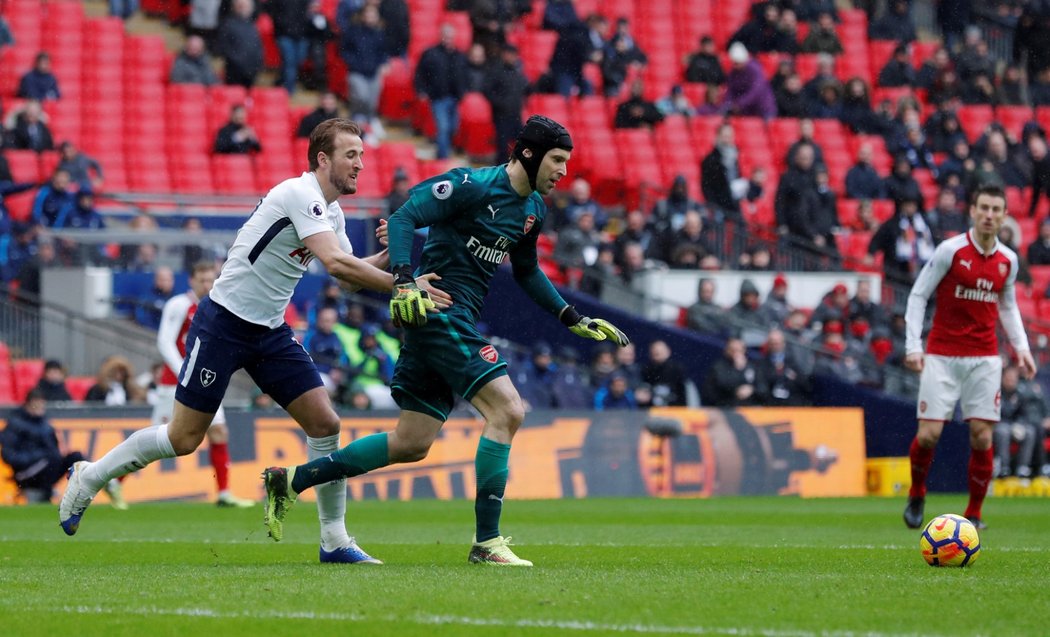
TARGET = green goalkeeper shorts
x,y
447,356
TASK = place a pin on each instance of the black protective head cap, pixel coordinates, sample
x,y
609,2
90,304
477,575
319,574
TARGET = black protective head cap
x,y
539,134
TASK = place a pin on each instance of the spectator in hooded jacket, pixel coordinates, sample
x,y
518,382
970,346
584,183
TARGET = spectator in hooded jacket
x,y
30,446
894,24
289,29
723,185
239,43
52,384
748,93
734,380
237,137
862,180
39,83
441,78
193,65
27,128
363,48
703,65
505,87
822,38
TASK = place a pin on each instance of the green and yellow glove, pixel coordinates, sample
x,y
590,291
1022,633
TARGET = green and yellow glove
x,y
594,328
408,304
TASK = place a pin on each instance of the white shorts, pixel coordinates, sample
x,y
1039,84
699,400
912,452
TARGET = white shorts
x,y
976,380
165,407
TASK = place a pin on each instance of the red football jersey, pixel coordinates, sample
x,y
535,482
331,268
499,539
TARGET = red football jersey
x,y
972,290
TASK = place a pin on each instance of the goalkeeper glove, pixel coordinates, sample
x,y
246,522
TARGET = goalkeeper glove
x,y
598,329
408,304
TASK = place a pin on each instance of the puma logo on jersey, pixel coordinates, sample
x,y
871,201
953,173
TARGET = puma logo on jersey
x,y
966,263
493,211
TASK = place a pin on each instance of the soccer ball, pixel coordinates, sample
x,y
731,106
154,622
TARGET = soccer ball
x,y
950,540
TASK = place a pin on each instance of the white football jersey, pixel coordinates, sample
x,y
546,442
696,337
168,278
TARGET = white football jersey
x,y
268,257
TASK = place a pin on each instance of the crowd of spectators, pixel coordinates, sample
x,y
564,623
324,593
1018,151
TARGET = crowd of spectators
x,y
847,337
596,244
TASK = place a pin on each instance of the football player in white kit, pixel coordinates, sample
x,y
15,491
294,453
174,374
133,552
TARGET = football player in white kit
x,y
240,325
973,276
175,321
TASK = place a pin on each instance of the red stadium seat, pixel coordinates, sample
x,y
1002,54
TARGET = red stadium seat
x,y
14,62
704,131
591,111
395,102
1040,278
78,386
974,119
191,173
536,49
27,373
233,174
1013,119
882,209
432,167
923,51
615,9
1028,305
392,155
848,211
1042,115
271,168
147,177
476,135
7,392
271,56
48,162
25,165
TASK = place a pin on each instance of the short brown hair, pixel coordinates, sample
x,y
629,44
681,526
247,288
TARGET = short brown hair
x,y
992,190
203,266
322,139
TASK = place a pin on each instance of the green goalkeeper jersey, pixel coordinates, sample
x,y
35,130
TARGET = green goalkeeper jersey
x,y
476,221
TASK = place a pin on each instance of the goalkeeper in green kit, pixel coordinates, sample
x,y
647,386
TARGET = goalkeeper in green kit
x,y
477,218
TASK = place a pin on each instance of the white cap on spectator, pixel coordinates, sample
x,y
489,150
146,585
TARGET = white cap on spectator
x,y
738,53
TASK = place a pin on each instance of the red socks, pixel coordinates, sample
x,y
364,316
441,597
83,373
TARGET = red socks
x,y
980,473
220,460
921,459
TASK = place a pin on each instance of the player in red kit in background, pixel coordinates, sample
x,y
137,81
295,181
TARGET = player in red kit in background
x,y
973,276
171,341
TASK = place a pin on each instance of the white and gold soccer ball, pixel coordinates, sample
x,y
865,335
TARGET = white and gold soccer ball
x,y
950,540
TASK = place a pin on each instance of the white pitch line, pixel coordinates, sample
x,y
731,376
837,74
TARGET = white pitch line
x,y
460,620
617,545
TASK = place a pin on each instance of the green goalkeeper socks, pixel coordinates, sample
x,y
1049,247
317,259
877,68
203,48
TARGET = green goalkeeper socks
x,y
358,457
490,465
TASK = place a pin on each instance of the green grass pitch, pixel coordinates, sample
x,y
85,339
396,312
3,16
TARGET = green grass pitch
x,y
774,567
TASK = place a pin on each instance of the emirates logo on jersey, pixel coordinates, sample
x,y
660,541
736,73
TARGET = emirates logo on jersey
x,y
922,407
529,222
489,354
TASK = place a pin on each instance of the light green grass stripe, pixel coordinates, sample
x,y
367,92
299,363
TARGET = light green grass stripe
x,y
461,620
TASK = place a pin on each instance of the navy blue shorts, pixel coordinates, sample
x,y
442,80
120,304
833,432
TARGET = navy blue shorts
x,y
219,343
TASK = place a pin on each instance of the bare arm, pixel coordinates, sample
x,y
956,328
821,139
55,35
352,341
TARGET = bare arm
x,y
354,273
349,269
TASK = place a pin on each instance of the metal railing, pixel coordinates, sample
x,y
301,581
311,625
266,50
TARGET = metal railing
x,y
32,328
